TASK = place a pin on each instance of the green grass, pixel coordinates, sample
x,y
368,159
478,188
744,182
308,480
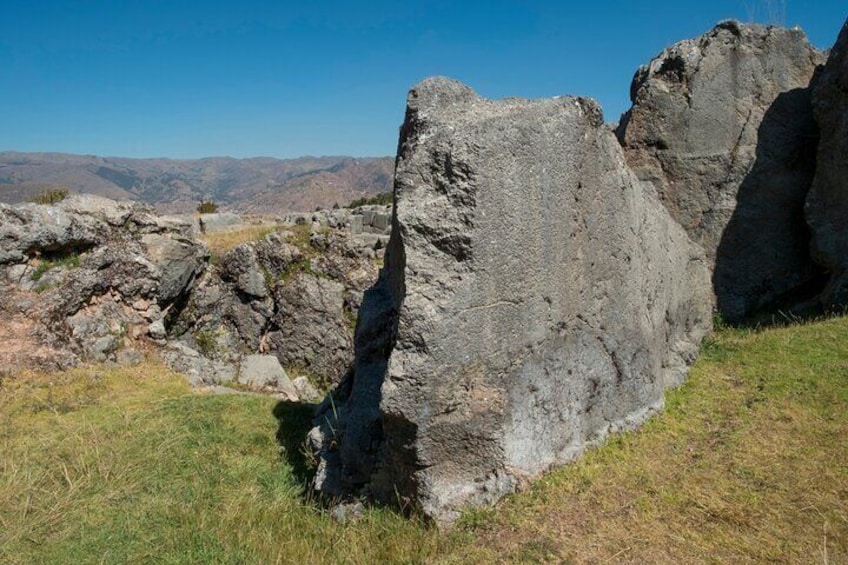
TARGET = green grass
x,y
749,463
70,261
130,466
381,199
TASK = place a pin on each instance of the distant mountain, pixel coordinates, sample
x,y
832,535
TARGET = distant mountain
x,y
261,184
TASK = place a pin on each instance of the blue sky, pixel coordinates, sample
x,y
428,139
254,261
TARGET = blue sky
x,y
183,79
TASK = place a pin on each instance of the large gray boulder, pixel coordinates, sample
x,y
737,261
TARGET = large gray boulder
x,y
78,223
722,126
827,203
177,261
494,347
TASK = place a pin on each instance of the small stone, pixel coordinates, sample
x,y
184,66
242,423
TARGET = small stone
x,y
265,371
138,330
347,512
128,357
157,329
153,312
305,389
102,346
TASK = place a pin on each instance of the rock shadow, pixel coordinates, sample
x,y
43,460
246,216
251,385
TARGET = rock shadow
x,y
764,272
294,421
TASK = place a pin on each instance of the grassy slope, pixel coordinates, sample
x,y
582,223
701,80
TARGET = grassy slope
x,y
748,463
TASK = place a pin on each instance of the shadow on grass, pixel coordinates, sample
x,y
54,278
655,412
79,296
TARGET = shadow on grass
x,y
294,422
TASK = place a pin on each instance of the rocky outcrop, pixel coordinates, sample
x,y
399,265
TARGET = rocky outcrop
x,y
91,279
722,126
494,347
827,203
105,272
292,294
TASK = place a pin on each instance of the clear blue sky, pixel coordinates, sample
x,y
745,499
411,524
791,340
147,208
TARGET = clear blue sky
x,y
151,78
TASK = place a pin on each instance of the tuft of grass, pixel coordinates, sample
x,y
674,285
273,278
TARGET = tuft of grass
x,y
207,342
207,207
52,196
70,261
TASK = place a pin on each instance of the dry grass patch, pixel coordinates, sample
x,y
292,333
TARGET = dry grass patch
x,y
220,242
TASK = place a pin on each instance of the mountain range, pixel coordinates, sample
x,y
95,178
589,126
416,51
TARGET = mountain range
x,y
259,184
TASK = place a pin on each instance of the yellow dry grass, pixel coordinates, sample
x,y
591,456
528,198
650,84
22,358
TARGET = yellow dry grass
x,y
219,243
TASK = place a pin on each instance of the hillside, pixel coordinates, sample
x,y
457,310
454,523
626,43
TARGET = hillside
x,y
257,184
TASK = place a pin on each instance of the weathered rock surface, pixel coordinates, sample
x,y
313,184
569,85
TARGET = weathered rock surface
x,y
310,328
92,263
199,369
827,203
494,347
290,295
722,126
265,371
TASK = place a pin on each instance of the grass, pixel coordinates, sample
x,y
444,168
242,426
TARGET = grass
x,y
130,466
748,463
51,196
381,199
220,242
70,261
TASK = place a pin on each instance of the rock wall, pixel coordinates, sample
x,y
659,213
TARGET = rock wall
x,y
722,126
827,203
536,296
90,275
92,279
293,294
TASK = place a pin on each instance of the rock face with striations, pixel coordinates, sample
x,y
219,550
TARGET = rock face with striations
x,y
722,126
536,297
827,203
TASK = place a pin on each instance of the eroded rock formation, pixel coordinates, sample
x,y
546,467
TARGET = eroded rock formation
x,y
827,203
290,294
722,126
536,296
92,279
88,273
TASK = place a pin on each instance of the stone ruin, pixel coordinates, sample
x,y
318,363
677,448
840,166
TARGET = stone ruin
x,y
545,278
545,281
